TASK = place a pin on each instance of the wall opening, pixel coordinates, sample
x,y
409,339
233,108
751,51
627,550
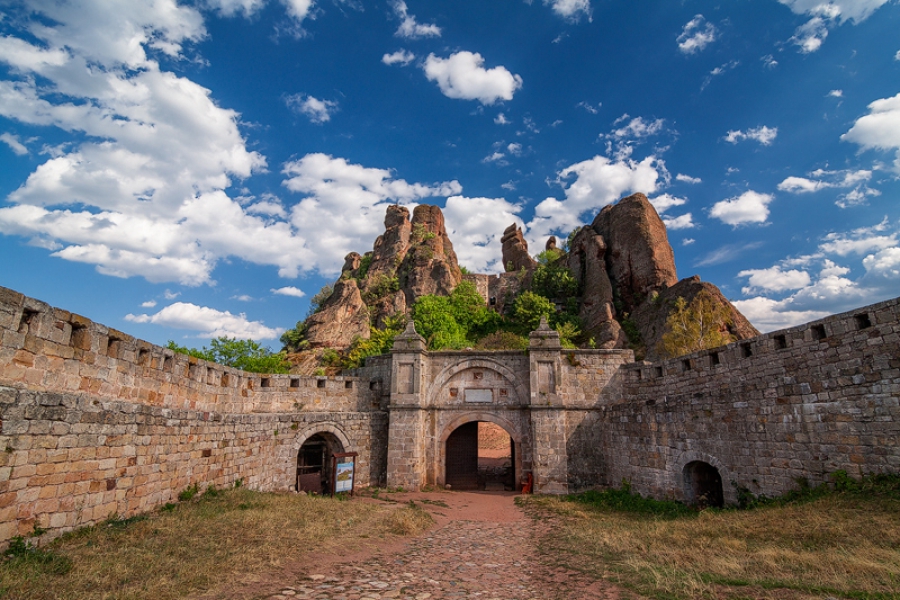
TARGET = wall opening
x,y
863,321
314,463
702,485
480,456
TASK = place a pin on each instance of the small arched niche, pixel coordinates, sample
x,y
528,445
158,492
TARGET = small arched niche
x,y
314,462
702,485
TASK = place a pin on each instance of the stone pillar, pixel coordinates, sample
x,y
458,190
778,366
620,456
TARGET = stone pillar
x,y
548,419
406,435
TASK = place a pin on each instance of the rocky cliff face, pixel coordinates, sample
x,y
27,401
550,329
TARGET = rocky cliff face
x,y
622,261
412,258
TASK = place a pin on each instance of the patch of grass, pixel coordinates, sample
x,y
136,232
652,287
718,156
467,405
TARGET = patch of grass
x,y
198,547
188,493
840,541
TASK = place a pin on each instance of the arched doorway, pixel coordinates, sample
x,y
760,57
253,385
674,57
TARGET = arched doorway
x,y
314,462
703,485
480,456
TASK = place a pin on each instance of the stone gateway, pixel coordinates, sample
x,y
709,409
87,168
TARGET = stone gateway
x,y
94,422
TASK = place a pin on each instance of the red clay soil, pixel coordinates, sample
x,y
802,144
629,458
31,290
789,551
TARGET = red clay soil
x,y
482,546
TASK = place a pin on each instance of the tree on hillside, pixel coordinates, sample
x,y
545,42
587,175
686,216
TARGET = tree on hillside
x,y
246,355
696,326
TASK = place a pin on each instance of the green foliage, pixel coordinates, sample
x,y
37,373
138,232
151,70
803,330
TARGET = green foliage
x,y
383,285
502,340
528,309
624,500
568,332
23,555
419,234
330,358
363,269
316,302
700,325
188,493
464,270
246,355
294,340
380,342
567,246
454,321
550,256
868,486
554,280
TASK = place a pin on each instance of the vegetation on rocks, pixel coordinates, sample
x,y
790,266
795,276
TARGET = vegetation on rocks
x,y
246,355
696,326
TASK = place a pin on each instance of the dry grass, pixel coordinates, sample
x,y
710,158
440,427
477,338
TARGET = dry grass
x,y
838,546
201,545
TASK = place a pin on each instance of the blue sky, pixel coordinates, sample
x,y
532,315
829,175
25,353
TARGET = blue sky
x,y
183,170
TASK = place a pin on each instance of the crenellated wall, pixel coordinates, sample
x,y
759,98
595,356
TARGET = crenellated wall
x,y
94,422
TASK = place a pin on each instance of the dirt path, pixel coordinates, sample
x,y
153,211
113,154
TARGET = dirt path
x,y
481,547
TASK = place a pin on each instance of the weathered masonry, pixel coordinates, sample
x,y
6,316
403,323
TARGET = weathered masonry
x,y
95,422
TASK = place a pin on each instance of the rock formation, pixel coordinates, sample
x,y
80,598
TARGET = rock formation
x,y
515,250
343,317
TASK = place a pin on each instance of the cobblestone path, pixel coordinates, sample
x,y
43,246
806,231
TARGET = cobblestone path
x,y
476,553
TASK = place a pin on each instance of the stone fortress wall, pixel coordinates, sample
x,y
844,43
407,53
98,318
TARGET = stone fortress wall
x,y
94,422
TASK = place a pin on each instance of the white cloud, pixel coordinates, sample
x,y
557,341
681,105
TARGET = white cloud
x,y
501,119
664,202
288,291
884,263
726,253
298,9
696,35
318,111
14,144
880,129
836,94
400,57
514,149
343,208
764,135
897,56
684,221
825,15
210,322
409,28
243,298
476,225
148,304
720,70
637,128
859,241
463,76
749,207
769,61
590,107
774,279
767,314
229,8
821,179
597,182
570,9
687,241
496,157
687,178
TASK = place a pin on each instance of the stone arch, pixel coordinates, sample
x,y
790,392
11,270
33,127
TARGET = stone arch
x,y
686,465
476,415
330,431
466,363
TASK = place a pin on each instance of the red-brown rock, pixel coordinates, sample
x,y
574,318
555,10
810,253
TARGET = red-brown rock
x,y
343,317
515,250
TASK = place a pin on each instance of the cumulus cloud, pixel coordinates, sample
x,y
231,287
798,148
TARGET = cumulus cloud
x,y
687,178
501,119
849,268
825,16
409,28
696,35
636,128
571,10
148,304
318,111
749,207
298,9
288,291
211,323
589,186
229,8
684,221
344,205
764,135
774,279
476,225
880,129
400,57
463,76
14,144
821,179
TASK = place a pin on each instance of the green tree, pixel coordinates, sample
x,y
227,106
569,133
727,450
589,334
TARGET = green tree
x,y
529,308
435,321
246,355
696,326
294,340
316,302
380,342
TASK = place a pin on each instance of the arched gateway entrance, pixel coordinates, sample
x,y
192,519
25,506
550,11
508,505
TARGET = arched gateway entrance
x,y
314,462
475,458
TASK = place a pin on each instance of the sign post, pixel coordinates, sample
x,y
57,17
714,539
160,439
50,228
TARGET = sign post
x,y
343,473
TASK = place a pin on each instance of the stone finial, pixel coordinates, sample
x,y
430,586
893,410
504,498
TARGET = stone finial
x,y
409,340
544,337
